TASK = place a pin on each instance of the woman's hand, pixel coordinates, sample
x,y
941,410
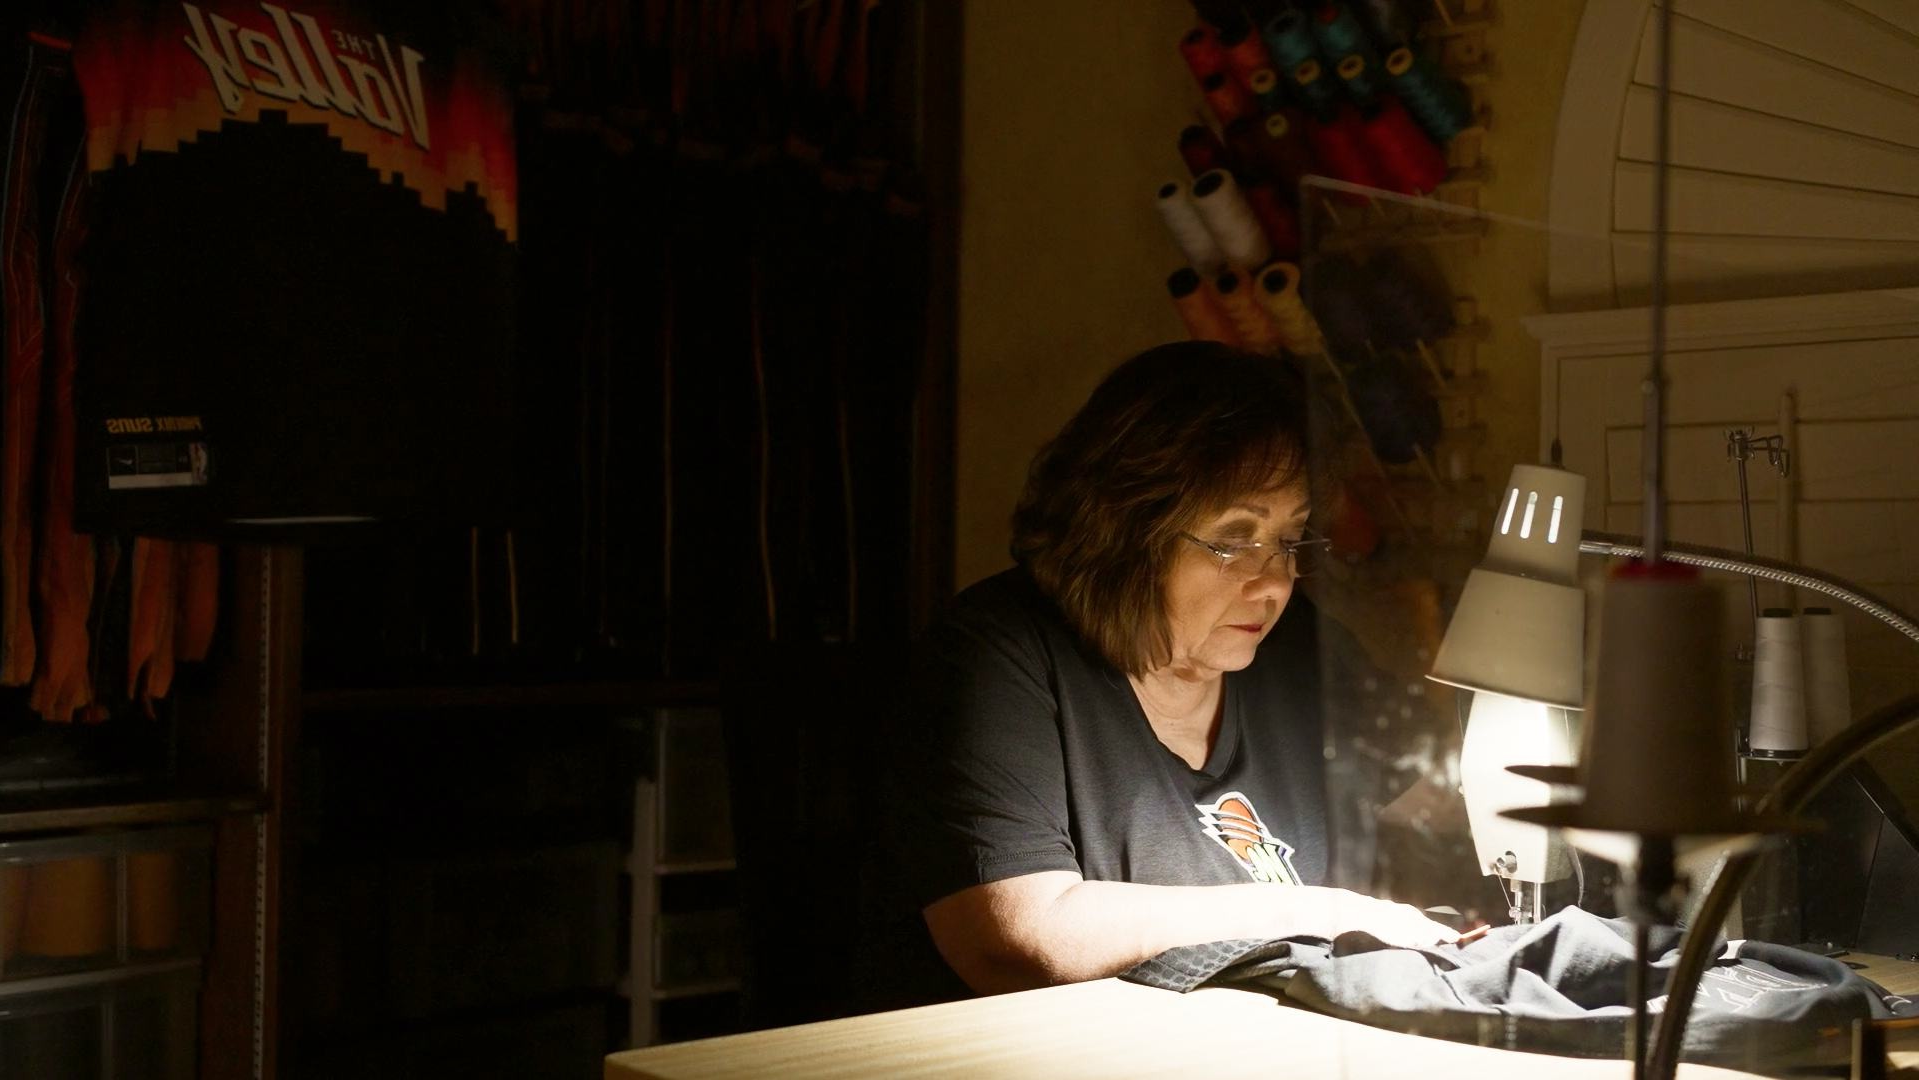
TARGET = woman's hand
x,y
1328,912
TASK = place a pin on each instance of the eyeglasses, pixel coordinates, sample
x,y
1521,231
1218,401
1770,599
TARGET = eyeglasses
x,y
1244,562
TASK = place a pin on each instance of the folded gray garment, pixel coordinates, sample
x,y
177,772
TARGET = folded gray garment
x,y
1556,987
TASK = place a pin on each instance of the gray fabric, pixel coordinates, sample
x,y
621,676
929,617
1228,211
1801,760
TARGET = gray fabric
x,y
1557,987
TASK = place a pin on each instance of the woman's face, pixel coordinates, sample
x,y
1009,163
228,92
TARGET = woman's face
x,y
1217,623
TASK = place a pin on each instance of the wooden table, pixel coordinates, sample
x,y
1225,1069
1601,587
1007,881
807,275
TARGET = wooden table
x,y
1111,1028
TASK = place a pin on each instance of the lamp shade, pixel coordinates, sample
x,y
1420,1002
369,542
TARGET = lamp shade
x,y
1519,628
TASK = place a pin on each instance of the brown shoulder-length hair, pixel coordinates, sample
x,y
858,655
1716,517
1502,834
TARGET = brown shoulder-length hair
x,y
1172,435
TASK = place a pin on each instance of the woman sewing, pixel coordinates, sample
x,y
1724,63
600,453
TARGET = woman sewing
x,y
1114,748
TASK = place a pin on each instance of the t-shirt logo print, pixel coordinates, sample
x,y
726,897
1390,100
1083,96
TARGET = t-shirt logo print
x,y
1232,821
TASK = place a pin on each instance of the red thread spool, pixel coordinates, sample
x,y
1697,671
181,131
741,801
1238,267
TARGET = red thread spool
x,y
1203,52
1245,53
1202,151
1339,144
1287,148
1227,98
1276,219
1411,164
1246,142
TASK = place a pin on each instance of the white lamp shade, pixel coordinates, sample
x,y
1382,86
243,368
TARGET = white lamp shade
x,y
1519,628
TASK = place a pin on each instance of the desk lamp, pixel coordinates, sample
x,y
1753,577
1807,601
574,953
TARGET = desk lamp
x,y
1516,641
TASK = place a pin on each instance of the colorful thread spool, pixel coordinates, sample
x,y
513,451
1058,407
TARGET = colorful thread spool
x,y
1440,105
1226,97
1401,419
1245,53
1205,56
1276,219
1256,328
1778,720
1408,161
1267,91
1189,231
1405,308
1204,319
1337,296
1201,150
1279,295
1338,33
1314,90
1828,683
1357,77
1289,40
1230,219
1288,151
1339,146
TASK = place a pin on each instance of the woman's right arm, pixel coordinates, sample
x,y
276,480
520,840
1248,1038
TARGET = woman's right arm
x,y
1053,927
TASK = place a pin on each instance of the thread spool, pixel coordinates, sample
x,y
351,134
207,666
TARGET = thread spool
x,y
1289,40
1246,146
1401,419
1828,681
1778,723
1339,146
1205,320
69,909
1256,328
1405,308
1289,153
1230,219
1439,104
1189,231
1276,220
1279,295
1319,95
1408,161
1387,21
1338,33
1267,93
1201,150
1245,52
1357,77
1226,97
1205,56
1338,299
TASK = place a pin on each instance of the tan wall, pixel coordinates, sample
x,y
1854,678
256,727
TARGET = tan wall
x,y
1072,110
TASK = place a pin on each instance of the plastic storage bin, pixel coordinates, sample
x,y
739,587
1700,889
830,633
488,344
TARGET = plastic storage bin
x,y
95,901
113,1025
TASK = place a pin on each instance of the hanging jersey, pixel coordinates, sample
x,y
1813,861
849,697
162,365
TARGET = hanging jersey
x,y
299,302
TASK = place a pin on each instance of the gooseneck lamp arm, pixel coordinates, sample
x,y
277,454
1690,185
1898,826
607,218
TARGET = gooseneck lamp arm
x,y
1795,789
1711,558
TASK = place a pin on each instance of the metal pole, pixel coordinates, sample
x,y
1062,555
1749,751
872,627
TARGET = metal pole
x,y
1654,390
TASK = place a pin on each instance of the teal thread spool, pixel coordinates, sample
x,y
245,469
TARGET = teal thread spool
x,y
1357,76
1314,89
1439,104
1267,90
1290,41
1339,34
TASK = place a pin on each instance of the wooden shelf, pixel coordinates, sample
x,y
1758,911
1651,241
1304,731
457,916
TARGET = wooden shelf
x,y
93,809
616,694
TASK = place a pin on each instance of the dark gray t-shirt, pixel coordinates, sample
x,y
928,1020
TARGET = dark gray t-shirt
x,y
1022,751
